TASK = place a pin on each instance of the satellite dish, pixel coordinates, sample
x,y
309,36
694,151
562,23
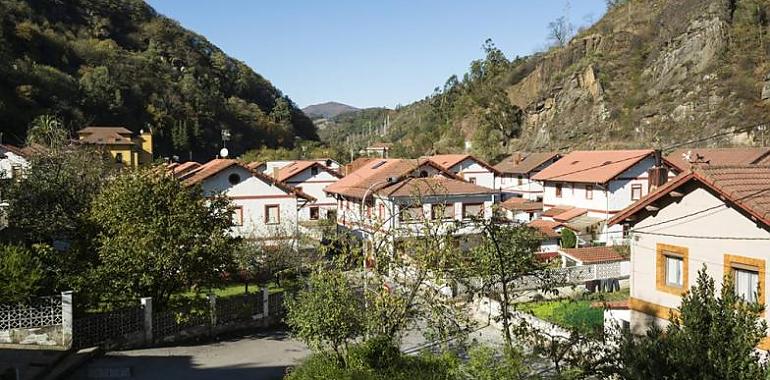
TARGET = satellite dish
x,y
224,153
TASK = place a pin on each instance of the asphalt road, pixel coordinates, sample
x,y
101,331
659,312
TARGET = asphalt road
x,y
262,355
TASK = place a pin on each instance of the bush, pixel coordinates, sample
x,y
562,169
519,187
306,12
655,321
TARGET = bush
x,y
22,274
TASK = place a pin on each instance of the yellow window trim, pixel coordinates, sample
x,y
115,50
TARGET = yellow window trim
x,y
660,268
651,308
734,261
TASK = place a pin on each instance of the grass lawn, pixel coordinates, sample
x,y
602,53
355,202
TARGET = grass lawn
x,y
230,290
574,313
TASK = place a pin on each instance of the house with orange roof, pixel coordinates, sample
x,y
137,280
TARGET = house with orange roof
x,y
470,168
400,196
714,217
600,184
685,158
311,177
125,147
266,210
516,172
521,210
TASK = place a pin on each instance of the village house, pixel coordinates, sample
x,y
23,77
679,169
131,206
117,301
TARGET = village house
x,y
269,167
685,158
13,161
394,198
589,187
380,149
521,210
516,172
266,210
468,167
120,143
311,177
717,217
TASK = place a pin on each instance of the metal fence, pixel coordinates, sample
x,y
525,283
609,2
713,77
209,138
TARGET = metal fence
x,y
41,312
111,326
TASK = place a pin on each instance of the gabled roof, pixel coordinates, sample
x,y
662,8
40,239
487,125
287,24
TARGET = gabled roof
x,y
597,166
431,186
180,170
524,163
255,165
374,175
745,186
105,135
683,159
521,204
447,161
216,166
594,255
297,167
546,227
570,214
553,211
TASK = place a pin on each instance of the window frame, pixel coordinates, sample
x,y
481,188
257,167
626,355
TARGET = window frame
x,y
406,210
472,180
314,170
635,187
662,252
558,187
732,262
436,207
465,208
267,214
317,211
589,192
238,216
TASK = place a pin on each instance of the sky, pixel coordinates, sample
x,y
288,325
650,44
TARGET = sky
x,y
369,53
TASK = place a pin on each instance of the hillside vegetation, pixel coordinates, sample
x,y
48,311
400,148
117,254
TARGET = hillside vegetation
x,y
118,62
650,72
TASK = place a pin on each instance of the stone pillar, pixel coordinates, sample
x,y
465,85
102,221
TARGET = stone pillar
x,y
147,310
265,302
66,319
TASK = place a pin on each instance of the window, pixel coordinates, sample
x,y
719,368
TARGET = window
x,y
314,213
443,211
314,170
238,216
234,179
423,173
746,284
16,171
119,158
410,213
672,269
520,180
272,214
748,276
471,210
382,211
472,180
558,190
636,192
589,192
674,274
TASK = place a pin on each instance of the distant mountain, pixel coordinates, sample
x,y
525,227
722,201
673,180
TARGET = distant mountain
x,y
123,63
327,110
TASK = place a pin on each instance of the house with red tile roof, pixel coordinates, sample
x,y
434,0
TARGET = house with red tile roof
x,y
311,177
711,216
470,168
401,195
13,161
266,210
521,210
684,159
601,184
126,148
516,172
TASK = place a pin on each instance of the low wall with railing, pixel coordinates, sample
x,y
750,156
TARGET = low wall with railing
x,y
44,322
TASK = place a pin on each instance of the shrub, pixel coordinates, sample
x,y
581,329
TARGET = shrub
x,y
22,274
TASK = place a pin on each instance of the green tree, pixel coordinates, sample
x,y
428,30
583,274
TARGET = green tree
x,y
327,315
48,131
22,274
568,238
713,336
157,237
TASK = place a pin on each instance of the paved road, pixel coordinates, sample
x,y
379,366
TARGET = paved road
x,y
258,356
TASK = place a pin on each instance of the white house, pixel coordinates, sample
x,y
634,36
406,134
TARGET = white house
x,y
13,161
470,168
312,177
601,184
270,167
266,210
714,216
396,198
517,170
521,210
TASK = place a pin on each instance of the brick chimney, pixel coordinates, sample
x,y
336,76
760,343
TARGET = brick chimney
x,y
658,174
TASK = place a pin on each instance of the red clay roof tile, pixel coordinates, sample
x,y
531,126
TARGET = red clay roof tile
x,y
596,166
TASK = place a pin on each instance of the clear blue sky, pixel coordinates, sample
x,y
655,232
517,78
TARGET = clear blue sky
x,y
370,53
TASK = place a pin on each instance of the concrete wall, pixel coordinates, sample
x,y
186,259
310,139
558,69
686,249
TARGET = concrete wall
x,y
721,221
469,169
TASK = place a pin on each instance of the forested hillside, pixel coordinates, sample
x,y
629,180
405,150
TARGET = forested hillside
x,y
118,62
650,72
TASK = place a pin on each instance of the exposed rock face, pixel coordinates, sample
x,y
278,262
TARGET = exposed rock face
x,y
647,72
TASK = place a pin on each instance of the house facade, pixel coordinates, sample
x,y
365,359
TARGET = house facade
x,y
266,210
600,184
13,162
517,170
470,168
120,143
715,217
312,177
397,198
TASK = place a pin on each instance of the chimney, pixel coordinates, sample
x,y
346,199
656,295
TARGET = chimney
x,y
517,158
658,174
275,172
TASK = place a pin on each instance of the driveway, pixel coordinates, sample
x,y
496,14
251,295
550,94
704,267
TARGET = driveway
x,y
263,355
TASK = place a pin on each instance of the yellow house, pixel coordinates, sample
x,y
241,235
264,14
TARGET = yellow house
x,y
124,147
